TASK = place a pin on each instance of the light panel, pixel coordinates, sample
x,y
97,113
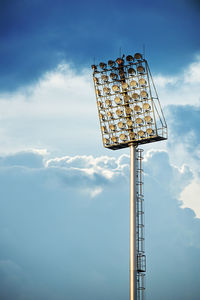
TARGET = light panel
x,y
125,102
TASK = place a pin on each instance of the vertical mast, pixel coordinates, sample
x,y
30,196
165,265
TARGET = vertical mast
x,y
141,258
137,253
133,195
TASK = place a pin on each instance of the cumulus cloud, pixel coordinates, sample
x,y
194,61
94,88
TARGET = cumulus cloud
x,y
105,165
182,88
59,112
169,176
192,74
190,196
34,119
30,159
59,217
184,147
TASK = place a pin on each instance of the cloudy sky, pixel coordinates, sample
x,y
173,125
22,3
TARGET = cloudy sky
x,y
64,205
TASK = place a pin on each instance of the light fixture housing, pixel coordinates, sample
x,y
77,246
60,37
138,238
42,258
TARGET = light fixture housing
x,y
128,105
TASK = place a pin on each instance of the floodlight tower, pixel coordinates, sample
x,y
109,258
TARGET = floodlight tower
x,y
130,115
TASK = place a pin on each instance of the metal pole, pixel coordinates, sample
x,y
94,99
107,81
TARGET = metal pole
x,y
133,257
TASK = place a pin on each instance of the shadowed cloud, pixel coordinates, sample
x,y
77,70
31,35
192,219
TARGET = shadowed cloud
x,y
64,228
36,36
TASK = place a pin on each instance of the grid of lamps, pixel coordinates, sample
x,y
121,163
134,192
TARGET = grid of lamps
x,y
124,101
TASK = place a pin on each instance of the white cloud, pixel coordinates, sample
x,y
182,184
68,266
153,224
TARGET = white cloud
x,y
190,197
94,191
59,112
104,165
163,81
57,217
192,74
181,89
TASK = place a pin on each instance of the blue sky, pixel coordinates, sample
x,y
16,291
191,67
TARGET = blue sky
x,y
79,31
64,205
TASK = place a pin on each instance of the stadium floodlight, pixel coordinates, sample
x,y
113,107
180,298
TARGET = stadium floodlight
x,y
126,93
130,114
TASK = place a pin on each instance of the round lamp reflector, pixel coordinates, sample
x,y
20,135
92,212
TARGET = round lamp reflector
x,y
141,133
118,100
111,63
127,98
139,121
102,117
106,141
102,65
132,135
119,112
123,137
96,80
104,78
137,108
110,114
106,90
150,131
115,88
133,83
131,71
142,82
114,139
94,67
138,56
148,119
100,104
112,127
121,125
146,106
104,129
129,58
108,102
124,85
98,92
135,96
140,69
128,110
143,94
129,123
120,61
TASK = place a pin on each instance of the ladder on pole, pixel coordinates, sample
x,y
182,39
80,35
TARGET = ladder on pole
x,y
141,258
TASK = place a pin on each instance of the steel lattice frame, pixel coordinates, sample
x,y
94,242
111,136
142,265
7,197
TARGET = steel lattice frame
x,y
128,104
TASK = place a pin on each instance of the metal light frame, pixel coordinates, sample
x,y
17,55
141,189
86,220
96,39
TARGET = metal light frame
x,y
130,114
128,104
